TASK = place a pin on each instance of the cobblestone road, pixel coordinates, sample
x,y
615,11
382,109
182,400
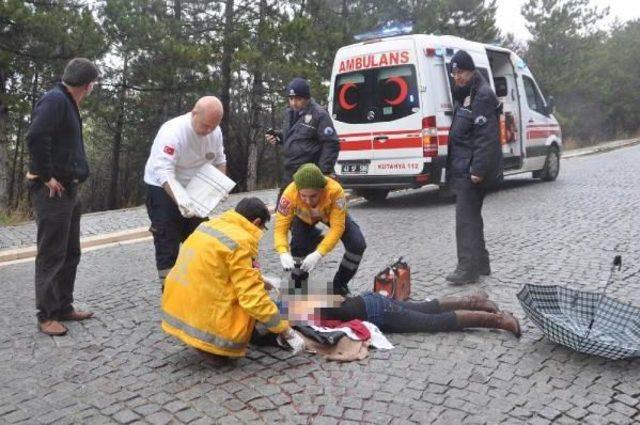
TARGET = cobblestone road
x,y
120,367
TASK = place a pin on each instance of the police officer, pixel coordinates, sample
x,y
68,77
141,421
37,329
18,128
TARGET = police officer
x,y
308,135
182,145
474,164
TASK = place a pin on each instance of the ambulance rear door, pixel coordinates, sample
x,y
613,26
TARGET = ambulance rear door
x,y
376,109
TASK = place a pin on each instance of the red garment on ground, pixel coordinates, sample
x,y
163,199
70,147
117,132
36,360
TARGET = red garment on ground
x,y
355,325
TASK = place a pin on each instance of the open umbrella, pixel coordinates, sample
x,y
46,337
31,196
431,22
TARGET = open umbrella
x,y
588,322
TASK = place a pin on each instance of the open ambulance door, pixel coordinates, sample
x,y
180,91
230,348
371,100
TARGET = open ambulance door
x,y
506,88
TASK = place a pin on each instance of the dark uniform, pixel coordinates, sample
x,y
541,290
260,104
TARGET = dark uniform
x,y
308,135
474,148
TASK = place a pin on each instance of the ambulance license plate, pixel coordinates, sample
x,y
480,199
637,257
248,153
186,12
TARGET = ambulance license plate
x,y
355,168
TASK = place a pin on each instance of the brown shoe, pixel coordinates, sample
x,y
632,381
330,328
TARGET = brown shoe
x,y
52,327
481,319
476,301
77,315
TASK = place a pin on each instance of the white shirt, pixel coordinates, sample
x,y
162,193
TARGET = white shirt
x,y
179,152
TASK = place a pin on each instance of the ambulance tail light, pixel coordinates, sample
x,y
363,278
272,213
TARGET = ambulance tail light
x,y
429,137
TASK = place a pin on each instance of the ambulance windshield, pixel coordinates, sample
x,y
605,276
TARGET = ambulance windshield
x,y
376,95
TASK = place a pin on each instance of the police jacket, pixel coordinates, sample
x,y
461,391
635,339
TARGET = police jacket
x,y
308,135
331,210
213,295
55,139
474,143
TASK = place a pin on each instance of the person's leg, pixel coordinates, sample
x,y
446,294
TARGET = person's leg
x,y
53,220
354,247
481,319
304,239
476,301
468,227
481,254
398,319
67,274
426,307
166,227
189,225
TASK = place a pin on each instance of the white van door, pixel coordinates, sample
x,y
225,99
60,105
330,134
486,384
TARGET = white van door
x,y
376,109
538,126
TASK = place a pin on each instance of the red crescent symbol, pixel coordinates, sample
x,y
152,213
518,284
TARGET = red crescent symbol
x,y
404,90
342,97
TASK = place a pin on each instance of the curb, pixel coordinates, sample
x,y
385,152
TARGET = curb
x,y
10,255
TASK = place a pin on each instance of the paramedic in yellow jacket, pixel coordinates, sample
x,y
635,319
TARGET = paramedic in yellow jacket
x,y
213,296
310,199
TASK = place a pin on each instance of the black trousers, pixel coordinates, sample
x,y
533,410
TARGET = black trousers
x,y
168,226
404,316
305,239
58,236
470,243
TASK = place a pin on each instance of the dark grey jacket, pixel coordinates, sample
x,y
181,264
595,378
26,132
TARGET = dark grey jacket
x,y
55,138
309,136
474,142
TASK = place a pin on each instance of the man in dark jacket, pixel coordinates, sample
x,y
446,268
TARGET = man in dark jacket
x,y
308,135
58,165
474,164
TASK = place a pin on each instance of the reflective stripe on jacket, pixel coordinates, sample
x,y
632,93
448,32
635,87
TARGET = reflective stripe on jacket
x,y
331,210
213,295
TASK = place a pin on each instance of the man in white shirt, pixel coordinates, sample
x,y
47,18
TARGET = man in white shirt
x,y
182,145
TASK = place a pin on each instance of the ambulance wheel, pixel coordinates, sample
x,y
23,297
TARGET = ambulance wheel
x,y
551,167
374,195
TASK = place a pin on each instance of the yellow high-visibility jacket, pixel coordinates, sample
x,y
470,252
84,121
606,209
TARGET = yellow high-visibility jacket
x,y
213,295
331,210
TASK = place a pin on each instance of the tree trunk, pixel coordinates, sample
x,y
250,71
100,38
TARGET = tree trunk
x,y
4,148
113,201
225,71
256,101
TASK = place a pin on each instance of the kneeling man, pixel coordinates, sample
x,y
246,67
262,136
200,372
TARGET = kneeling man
x,y
214,295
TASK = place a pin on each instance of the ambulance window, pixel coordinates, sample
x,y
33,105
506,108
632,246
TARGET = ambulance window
x,y
397,92
348,104
376,95
534,100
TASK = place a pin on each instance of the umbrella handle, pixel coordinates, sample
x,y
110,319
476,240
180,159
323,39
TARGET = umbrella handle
x,y
617,262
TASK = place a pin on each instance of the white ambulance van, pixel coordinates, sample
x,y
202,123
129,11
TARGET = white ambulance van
x,y
390,100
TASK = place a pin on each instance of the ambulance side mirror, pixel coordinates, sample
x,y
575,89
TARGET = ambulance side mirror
x,y
550,107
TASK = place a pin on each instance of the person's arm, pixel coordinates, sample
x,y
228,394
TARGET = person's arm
x,y
329,142
252,296
337,224
284,217
46,119
486,136
221,158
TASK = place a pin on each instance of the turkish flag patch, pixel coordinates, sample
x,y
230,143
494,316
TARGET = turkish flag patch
x,y
284,207
169,150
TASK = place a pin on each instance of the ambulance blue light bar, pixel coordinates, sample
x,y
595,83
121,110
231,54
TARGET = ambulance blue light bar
x,y
387,30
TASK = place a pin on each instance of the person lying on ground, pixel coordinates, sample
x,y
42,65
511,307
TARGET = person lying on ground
x,y
444,314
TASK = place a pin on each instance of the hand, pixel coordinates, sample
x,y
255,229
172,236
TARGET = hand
x,y
311,261
287,261
270,283
55,188
476,179
182,198
293,340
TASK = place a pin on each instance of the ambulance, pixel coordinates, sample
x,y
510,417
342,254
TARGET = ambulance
x,y
391,104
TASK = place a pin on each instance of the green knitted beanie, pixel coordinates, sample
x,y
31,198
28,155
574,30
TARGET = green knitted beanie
x,y
309,176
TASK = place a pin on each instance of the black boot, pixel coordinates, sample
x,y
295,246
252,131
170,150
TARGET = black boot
x,y
484,269
463,276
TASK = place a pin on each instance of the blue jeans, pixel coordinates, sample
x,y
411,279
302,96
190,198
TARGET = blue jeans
x,y
306,237
401,316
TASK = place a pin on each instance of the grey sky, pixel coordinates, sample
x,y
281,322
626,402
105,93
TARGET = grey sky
x,y
509,18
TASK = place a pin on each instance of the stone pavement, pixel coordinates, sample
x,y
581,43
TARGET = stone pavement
x,y
121,368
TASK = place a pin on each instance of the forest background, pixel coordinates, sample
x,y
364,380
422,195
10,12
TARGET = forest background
x,y
158,56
